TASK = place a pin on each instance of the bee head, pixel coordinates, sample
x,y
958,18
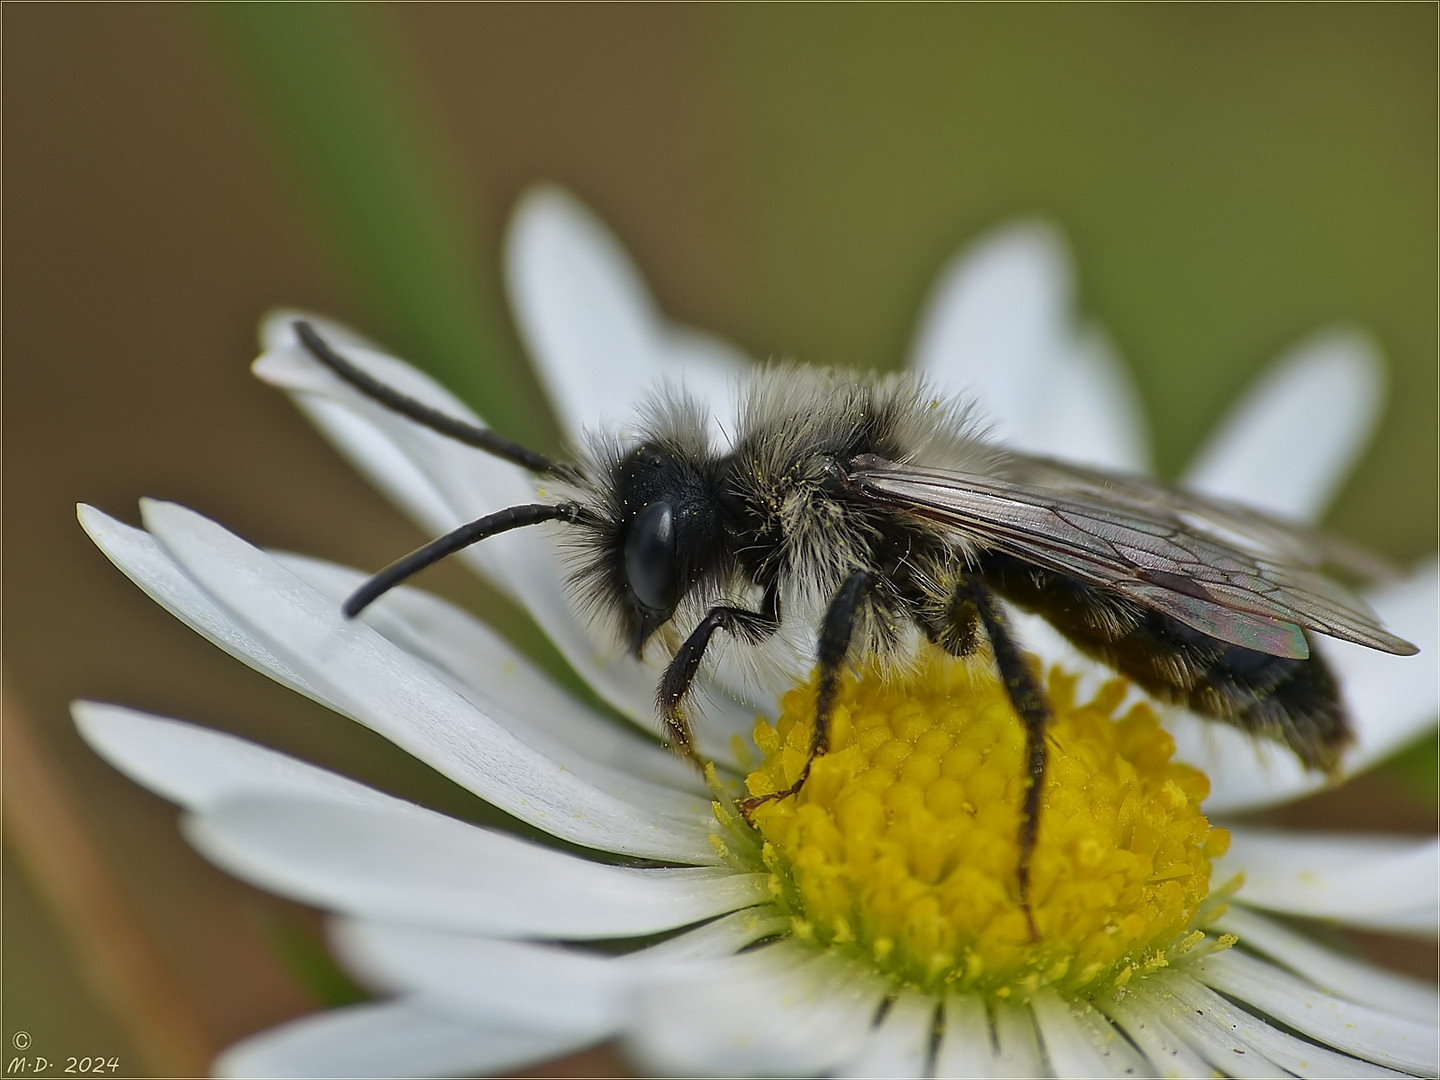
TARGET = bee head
x,y
666,535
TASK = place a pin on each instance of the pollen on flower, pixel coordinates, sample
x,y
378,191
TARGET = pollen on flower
x,y
903,843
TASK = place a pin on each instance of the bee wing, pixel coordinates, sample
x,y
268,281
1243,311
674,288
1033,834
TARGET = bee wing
x,y
1290,541
1138,548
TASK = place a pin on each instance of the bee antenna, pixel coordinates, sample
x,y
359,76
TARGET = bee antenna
x,y
459,430
472,532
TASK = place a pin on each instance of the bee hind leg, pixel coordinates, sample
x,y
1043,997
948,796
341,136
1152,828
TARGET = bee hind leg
x,y
970,606
835,634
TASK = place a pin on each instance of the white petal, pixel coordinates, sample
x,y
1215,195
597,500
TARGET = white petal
x,y
508,983
999,326
1168,1054
277,330
1081,1042
712,371
388,466
1240,1044
516,980
1000,1041
436,480
1331,971
396,862
1363,880
1018,1042
393,1038
1289,444
718,939
442,484
1363,1032
967,1042
137,554
470,481
1391,701
597,338
529,983
155,570
1225,1037
1245,772
390,692
506,686
198,767
778,1010
900,1046
1200,1012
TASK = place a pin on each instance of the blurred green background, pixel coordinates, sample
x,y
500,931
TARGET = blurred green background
x,y
1230,178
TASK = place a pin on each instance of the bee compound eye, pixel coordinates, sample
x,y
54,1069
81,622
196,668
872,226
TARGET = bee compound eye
x,y
650,557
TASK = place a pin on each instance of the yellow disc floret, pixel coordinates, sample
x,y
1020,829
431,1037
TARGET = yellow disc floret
x,y
903,842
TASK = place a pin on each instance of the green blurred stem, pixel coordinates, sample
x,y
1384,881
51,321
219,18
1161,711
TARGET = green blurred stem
x,y
1417,768
333,86
303,950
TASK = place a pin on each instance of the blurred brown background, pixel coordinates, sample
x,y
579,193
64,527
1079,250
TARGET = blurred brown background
x,y
1230,178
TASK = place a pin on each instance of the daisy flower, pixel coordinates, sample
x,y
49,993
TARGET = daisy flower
x,y
869,926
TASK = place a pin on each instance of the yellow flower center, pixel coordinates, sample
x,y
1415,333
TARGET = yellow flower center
x,y
903,842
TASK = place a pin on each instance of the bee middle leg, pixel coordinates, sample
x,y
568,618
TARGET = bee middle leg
x,y
834,644
972,605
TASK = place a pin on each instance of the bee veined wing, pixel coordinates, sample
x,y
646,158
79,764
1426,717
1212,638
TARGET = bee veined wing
x,y
1146,552
1287,541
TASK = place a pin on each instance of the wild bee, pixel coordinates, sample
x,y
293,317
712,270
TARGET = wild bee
x,y
887,513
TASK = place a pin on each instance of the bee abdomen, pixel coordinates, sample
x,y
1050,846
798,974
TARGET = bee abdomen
x,y
1294,702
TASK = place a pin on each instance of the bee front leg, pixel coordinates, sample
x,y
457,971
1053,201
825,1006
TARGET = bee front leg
x,y
972,604
834,644
751,626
